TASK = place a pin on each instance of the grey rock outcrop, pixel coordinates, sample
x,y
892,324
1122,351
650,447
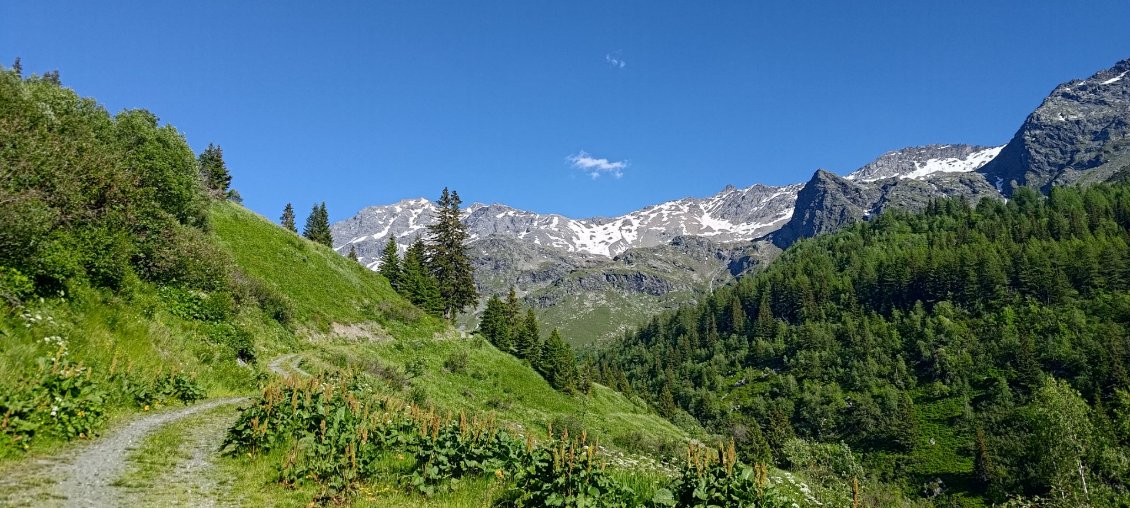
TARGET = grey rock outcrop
x,y
1080,133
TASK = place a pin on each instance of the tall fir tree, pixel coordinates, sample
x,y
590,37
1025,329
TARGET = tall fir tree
x,y
287,219
417,283
318,226
513,313
447,257
213,170
528,339
390,262
353,252
494,324
557,363
18,67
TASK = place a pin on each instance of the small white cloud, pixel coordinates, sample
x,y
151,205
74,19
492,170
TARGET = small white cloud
x,y
595,167
615,60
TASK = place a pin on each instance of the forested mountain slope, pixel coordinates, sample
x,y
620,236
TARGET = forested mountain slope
x,y
970,353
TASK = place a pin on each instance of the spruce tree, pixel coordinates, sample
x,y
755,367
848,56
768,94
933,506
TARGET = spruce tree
x,y
494,326
513,313
318,226
18,67
353,252
528,340
417,283
390,262
447,257
558,364
213,170
287,218
756,448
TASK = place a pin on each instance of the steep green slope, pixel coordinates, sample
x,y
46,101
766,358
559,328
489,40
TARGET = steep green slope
x,y
353,319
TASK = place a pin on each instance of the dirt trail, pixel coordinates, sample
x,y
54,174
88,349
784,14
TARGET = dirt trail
x,y
287,366
85,476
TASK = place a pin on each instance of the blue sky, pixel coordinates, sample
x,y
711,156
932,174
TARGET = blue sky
x,y
521,102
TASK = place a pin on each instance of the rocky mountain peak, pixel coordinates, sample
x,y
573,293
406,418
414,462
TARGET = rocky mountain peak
x,y
1080,133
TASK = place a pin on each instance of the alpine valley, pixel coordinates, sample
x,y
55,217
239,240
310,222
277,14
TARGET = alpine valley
x,y
946,326
594,278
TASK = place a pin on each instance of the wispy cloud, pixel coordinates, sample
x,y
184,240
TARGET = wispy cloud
x,y
595,167
615,59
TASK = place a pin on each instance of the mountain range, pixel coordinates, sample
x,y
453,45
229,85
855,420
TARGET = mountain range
x,y
594,277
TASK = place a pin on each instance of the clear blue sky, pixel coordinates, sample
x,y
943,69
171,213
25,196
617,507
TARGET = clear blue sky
x,y
370,102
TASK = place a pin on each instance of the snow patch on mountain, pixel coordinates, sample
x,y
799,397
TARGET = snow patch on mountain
x,y
919,163
732,215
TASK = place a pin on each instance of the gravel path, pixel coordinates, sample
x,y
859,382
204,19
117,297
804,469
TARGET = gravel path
x,y
186,475
87,481
287,365
86,475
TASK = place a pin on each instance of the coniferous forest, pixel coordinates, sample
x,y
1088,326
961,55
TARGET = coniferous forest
x,y
964,352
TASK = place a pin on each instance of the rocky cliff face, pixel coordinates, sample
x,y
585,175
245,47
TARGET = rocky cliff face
x,y
1081,132
905,179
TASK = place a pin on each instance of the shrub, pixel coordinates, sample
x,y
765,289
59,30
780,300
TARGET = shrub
x,y
416,367
714,477
187,257
239,341
456,362
14,286
62,399
168,388
822,460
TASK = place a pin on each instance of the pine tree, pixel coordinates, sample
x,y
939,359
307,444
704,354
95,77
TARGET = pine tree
x,y
213,170
18,67
528,341
353,252
666,404
494,325
513,313
52,77
557,364
287,218
755,447
447,257
318,226
390,262
417,283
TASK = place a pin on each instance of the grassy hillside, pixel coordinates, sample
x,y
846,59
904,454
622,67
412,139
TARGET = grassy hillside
x,y
349,318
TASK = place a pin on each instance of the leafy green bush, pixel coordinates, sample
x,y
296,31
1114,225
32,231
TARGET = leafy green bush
x,y
456,362
14,286
822,460
212,307
61,400
566,472
168,388
238,340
